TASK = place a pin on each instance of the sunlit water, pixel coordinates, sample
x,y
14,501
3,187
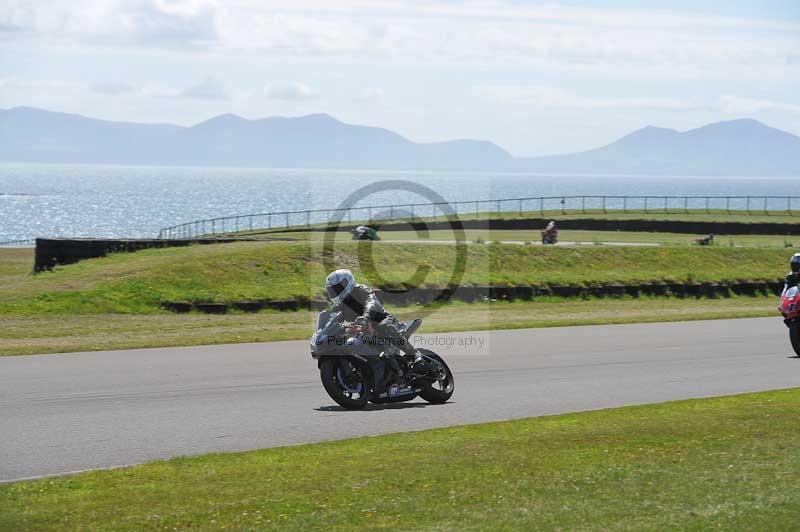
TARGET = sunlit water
x,y
119,201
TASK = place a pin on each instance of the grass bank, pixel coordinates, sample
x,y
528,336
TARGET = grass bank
x,y
138,282
59,333
730,463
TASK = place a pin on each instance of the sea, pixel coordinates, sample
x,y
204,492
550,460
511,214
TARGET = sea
x,y
38,200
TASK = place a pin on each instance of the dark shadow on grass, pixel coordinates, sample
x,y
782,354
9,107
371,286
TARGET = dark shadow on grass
x,y
373,407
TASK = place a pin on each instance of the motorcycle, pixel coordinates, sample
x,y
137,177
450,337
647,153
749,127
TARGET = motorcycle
x,y
347,355
790,310
364,233
549,237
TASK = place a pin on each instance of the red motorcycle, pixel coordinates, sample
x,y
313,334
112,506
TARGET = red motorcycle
x,y
790,310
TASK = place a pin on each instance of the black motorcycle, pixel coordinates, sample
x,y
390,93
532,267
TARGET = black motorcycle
x,y
348,355
363,232
549,237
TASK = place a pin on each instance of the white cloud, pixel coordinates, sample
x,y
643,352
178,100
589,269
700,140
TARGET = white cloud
x,y
370,94
10,28
144,23
553,97
493,33
736,105
290,91
24,84
208,89
544,97
112,88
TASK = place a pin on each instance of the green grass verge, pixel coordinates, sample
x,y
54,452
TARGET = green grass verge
x,y
730,463
139,282
58,333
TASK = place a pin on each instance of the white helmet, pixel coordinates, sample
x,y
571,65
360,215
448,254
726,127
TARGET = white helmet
x,y
339,284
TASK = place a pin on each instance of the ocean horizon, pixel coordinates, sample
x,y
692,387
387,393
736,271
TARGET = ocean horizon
x,y
69,200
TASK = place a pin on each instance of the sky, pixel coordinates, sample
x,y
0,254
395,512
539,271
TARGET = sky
x,y
534,77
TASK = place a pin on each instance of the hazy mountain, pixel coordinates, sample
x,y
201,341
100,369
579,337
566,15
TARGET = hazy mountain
x,y
313,141
735,148
28,134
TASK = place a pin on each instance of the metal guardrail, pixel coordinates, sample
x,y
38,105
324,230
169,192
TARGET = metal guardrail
x,y
18,243
750,205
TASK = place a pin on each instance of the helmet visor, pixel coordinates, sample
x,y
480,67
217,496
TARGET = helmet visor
x,y
335,289
795,265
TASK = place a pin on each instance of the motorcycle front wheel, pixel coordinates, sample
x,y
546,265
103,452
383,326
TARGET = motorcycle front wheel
x,y
440,391
794,336
346,383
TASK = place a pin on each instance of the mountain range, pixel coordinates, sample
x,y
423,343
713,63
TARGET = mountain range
x,y
742,147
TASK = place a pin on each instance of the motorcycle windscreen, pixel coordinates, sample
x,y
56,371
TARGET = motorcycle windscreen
x,y
322,319
412,327
332,323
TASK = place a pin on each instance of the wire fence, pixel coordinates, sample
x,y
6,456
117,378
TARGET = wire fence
x,y
18,243
508,207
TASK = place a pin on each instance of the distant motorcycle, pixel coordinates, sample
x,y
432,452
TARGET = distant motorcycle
x,y
707,240
347,355
549,237
790,310
363,232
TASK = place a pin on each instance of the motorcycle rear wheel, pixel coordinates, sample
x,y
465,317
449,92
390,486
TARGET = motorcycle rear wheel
x,y
350,395
794,336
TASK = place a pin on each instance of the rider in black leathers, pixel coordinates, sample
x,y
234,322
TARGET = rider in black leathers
x,y
358,300
793,277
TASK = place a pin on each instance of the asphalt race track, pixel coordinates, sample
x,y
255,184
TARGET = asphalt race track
x,y
71,412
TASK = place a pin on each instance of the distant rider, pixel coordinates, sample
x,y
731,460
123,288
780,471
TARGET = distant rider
x,y
550,233
793,277
358,300
363,232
